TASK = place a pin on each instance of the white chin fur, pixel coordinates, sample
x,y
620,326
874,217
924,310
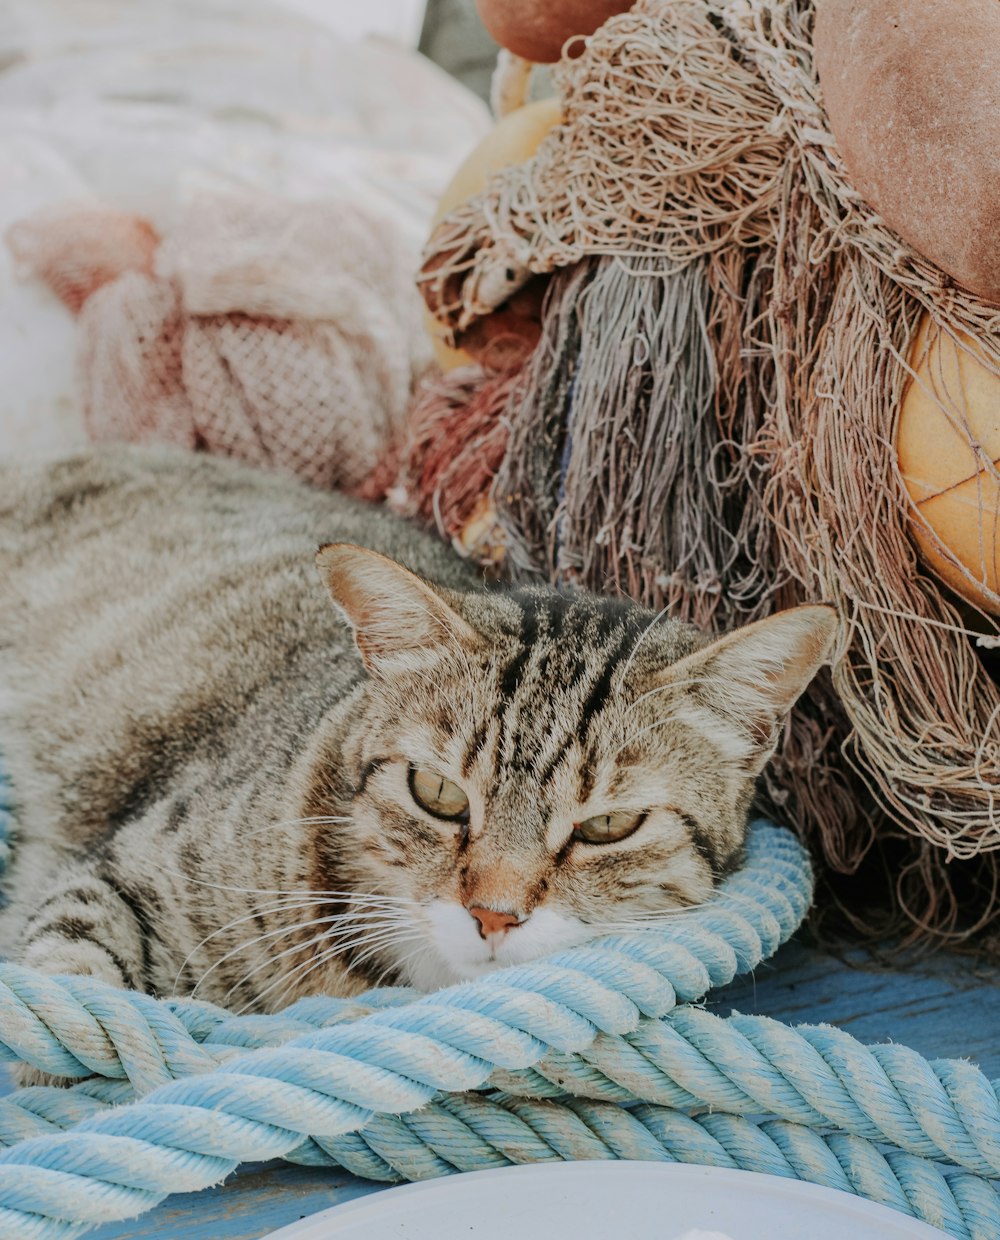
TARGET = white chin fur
x,y
455,952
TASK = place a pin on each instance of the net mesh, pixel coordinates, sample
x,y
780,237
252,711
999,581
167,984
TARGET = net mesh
x,y
285,334
710,418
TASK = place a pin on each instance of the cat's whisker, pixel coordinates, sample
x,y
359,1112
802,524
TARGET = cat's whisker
x,y
246,945
294,979
362,938
368,940
376,946
287,994
286,981
653,920
255,912
421,950
399,940
269,961
644,921
337,945
369,922
317,820
323,937
359,922
297,891
283,906
627,927
655,914
346,943
642,637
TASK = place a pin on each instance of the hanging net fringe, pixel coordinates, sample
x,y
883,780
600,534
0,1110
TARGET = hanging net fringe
x,y
708,423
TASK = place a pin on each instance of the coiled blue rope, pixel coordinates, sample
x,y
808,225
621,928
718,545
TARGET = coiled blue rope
x,y
75,1027
380,1085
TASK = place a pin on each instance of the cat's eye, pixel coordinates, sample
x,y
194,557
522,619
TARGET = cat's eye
x,y
608,828
438,796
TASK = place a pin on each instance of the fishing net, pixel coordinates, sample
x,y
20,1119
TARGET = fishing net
x,y
285,334
441,469
708,423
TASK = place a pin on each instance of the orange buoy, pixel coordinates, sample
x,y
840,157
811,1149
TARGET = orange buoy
x,y
538,29
948,449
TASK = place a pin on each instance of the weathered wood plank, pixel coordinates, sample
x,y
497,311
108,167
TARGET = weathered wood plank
x,y
945,1006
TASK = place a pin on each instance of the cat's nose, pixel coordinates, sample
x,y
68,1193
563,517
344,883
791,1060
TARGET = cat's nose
x,y
493,922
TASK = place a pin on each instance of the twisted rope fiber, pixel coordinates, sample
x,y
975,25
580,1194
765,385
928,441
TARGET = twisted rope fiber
x,y
463,1133
814,1075
459,1134
76,1026
470,1132
618,1039
690,1059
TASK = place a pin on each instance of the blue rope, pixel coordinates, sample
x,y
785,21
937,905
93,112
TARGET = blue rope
x,y
76,1026
597,1051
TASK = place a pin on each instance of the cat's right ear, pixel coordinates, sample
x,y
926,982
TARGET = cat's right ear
x,y
738,689
397,618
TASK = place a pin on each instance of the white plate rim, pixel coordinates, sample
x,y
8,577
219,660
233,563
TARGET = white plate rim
x,y
813,1196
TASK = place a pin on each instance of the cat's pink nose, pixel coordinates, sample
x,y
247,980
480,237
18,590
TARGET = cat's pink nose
x,y
492,922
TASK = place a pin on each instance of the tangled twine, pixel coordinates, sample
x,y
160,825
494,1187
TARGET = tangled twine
x,y
442,470
709,422
593,1055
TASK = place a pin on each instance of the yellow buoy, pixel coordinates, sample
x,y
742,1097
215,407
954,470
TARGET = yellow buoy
x,y
948,447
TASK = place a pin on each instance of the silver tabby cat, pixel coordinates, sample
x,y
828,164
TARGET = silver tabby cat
x,y
226,785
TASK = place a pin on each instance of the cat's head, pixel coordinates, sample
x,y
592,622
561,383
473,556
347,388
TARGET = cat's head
x,y
533,768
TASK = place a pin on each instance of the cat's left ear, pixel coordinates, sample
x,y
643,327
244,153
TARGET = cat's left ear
x,y
397,618
738,690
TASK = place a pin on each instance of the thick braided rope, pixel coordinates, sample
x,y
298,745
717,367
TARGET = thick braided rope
x,y
470,1132
337,1080
76,1026
814,1075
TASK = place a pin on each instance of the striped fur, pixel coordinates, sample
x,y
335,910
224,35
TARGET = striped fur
x,y
212,783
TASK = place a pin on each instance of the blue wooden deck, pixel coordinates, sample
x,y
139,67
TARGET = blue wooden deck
x,y
945,1007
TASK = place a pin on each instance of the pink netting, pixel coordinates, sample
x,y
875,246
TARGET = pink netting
x,y
287,335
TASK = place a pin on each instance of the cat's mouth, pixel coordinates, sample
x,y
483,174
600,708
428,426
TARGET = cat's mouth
x,y
456,952
435,971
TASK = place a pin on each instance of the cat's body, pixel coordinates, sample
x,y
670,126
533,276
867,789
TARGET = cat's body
x,y
181,707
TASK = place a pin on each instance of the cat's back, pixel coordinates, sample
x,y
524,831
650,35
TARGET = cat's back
x,y
137,503
124,533
152,601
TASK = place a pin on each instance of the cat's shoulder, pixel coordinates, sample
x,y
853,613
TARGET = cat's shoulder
x,y
142,492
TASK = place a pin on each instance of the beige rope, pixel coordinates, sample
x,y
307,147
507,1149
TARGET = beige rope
x,y
696,207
